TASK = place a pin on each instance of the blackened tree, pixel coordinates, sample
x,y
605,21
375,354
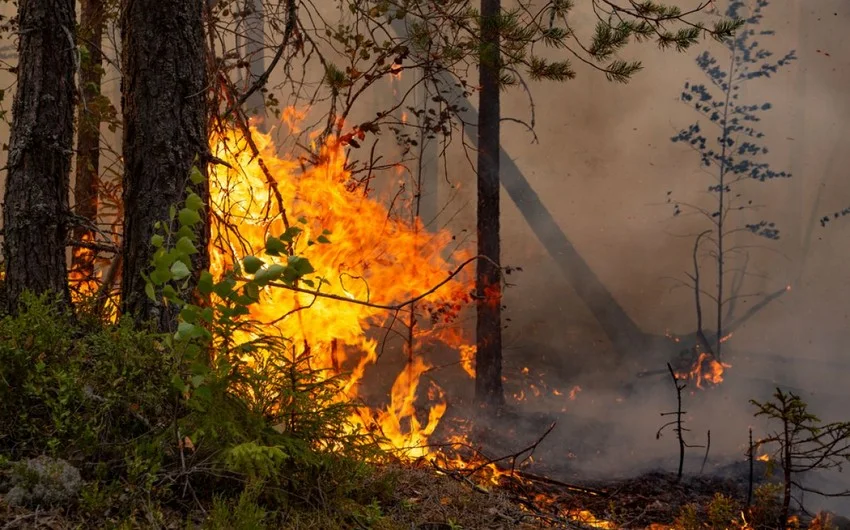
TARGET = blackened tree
x,y
35,212
165,132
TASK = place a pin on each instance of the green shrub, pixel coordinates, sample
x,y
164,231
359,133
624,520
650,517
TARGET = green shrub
x,y
74,394
241,514
151,418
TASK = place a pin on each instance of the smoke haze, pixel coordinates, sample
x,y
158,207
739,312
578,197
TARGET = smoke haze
x,y
603,166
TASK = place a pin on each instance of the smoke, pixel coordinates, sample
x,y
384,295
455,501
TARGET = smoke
x,y
603,165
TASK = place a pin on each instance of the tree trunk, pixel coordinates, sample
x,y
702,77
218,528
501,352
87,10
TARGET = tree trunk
x,y
488,357
89,114
164,107
40,146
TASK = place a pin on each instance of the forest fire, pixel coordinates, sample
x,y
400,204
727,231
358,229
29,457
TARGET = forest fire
x,y
373,258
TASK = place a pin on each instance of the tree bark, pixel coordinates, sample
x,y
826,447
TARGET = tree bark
x,y
40,146
488,357
89,117
164,108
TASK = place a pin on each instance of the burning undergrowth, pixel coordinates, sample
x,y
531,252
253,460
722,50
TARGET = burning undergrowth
x,y
372,271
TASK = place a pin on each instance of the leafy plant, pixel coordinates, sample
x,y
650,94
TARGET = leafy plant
x,y
262,410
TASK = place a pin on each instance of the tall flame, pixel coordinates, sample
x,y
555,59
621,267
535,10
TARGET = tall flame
x,y
373,257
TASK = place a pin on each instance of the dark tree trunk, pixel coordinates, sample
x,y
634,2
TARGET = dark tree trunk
x,y
89,114
40,146
164,106
488,358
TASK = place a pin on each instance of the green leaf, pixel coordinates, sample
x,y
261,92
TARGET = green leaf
x,y
197,380
172,212
178,384
302,220
224,287
194,202
180,270
323,239
205,283
290,233
269,274
184,330
252,291
185,231
160,276
149,290
185,245
252,264
301,265
188,217
195,175
203,393
157,240
275,247
274,271
169,293
189,314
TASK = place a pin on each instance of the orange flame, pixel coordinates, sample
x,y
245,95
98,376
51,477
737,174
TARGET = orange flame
x,y
293,117
706,369
372,258
467,359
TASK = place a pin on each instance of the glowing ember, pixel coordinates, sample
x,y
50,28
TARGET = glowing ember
x,y
586,518
372,258
574,392
763,458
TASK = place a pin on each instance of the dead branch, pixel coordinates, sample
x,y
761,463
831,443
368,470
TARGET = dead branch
x,y
393,307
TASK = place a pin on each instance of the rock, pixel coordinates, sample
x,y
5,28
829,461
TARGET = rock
x,y
43,481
